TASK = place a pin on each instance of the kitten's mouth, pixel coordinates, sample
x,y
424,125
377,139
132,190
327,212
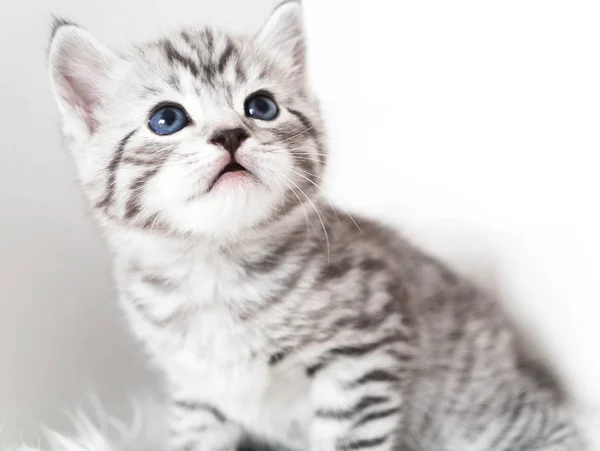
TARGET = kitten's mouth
x,y
234,166
231,167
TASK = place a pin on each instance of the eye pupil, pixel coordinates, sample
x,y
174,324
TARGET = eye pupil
x,y
168,117
262,107
168,120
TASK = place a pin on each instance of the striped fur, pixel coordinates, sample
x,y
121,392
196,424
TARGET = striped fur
x,y
270,312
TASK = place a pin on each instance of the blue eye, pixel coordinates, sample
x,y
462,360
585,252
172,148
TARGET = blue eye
x,y
261,106
168,120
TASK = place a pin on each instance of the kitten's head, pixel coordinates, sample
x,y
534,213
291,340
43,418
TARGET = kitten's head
x,y
198,133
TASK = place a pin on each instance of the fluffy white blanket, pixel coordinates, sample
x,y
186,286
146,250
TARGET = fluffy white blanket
x,y
102,432
146,431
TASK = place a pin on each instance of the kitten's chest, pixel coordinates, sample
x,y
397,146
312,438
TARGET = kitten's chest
x,y
218,295
212,354
230,372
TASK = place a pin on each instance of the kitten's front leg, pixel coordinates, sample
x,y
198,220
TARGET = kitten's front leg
x,y
357,401
197,426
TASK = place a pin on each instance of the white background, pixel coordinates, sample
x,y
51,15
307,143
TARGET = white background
x,y
473,125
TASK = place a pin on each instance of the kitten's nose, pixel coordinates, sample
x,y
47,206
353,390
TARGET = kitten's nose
x,y
230,140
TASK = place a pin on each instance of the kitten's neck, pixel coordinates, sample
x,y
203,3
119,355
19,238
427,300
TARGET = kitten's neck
x,y
127,240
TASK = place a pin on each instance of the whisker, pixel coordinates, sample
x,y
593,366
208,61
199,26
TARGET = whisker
x,y
310,174
297,156
322,190
295,194
318,214
290,168
291,138
299,151
278,180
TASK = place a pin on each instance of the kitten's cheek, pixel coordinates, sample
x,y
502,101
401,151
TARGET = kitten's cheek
x,y
246,157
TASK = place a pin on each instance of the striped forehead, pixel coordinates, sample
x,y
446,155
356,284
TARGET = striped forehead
x,y
210,59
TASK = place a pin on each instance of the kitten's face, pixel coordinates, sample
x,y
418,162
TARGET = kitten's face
x,y
198,133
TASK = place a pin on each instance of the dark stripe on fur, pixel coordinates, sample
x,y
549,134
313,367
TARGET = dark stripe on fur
x,y
515,413
400,356
303,159
209,41
357,350
173,81
371,265
175,57
276,358
362,349
376,416
209,72
252,443
288,282
189,41
336,270
133,205
308,126
314,369
364,403
225,56
112,171
376,376
240,74
135,161
274,256
195,406
562,436
365,443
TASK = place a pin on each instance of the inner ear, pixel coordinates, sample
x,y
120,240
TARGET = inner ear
x,y
80,66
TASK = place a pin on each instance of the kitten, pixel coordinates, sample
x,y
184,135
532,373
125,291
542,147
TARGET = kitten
x,y
269,312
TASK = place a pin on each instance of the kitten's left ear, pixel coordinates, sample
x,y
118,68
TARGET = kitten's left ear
x,y
283,35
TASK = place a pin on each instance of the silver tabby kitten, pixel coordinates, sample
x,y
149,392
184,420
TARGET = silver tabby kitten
x,y
270,313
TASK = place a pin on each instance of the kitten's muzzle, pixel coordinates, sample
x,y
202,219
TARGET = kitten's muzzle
x,y
230,140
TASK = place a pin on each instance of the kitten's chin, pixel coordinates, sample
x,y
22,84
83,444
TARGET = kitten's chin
x,y
235,205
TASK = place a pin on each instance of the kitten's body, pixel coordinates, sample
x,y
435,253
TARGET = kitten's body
x,y
268,311
203,313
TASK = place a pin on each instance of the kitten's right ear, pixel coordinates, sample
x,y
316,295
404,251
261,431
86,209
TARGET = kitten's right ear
x,y
79,67
283,34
